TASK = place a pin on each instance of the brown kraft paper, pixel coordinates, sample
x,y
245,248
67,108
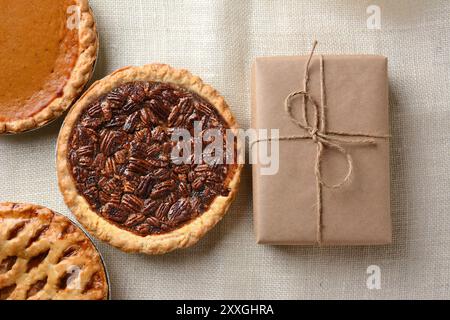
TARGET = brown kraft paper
x,y
285,204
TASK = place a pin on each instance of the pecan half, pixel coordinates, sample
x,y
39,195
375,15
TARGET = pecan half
x,y
134,219
132,203
179,210
161,189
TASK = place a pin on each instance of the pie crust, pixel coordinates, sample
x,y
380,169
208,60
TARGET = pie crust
x,y
44,256
187,234
58,88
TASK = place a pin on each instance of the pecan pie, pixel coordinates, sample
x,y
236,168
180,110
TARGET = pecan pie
x,y
47,53
44,256
116,167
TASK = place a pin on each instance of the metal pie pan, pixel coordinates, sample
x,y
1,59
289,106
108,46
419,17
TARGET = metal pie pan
x,y
91,239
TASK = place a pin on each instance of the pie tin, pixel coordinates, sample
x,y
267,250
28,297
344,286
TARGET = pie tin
x,y
77,224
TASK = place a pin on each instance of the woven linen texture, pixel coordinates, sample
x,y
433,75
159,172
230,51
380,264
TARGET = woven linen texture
x,y
218,40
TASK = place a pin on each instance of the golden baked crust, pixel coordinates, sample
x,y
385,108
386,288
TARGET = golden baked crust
x,y
43,256
79,76
186,235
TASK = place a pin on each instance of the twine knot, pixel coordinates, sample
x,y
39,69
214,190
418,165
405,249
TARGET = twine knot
x,y
313,133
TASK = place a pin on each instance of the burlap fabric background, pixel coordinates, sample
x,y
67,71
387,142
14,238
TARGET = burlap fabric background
x,y
218,41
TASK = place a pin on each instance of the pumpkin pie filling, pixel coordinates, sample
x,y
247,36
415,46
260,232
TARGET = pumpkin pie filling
x,y
38,52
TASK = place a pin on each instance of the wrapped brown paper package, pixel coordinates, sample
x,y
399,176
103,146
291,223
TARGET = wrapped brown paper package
x,y
285,204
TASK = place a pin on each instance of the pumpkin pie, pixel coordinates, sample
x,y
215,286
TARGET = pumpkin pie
x,y
47,53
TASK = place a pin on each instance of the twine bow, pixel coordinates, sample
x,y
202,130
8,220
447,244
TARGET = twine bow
x,y
317,133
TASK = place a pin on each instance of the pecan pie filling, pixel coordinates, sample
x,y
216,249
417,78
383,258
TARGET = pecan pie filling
x,y
120,157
